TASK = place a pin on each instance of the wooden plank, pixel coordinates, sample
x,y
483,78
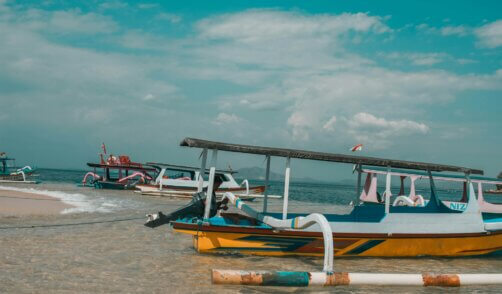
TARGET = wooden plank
x,y
118,166
323,156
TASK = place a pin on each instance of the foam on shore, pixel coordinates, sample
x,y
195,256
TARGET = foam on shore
x,y
80,202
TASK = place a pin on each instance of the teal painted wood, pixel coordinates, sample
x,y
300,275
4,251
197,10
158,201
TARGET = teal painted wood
x,y
288,279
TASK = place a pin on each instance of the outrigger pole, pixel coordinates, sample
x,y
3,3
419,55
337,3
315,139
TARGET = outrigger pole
x,y
306,279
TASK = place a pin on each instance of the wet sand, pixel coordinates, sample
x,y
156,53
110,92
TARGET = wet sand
x,y
114,253
16,203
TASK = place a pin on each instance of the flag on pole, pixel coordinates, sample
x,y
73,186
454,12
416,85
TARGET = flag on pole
x,y
358,147
103,147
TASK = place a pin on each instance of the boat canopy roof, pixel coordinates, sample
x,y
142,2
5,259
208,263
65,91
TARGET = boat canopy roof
x,y
185,168
119,166
438,176
323,156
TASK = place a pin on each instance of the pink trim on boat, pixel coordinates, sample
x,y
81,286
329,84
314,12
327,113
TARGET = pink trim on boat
x,y
136,174
369,193
90,174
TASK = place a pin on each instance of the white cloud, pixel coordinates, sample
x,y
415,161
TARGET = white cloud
x,y
423,59
225,118
312,79
277,40
65,21
136,39
50,83
378,131
363,121
449,30
490,35
465,61
147,5
76,22
115,4
171,17
330,124
259,25
301,123
455,30
148,97
297,79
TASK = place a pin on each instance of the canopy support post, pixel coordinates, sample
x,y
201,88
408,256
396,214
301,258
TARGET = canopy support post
x,y
468,183
265,193
210,186
387,191
202,170
433,189
286,189
358,187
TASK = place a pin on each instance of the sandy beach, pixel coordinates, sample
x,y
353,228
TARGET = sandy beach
x,y
16,203
112,252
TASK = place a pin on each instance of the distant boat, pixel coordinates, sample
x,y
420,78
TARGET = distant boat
x,y
9,173
181,181
499,187
118,173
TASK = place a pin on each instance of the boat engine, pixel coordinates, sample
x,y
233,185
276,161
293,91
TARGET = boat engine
x,y
194,209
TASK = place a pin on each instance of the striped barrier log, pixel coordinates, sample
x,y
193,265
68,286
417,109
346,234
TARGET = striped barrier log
x,y
306,279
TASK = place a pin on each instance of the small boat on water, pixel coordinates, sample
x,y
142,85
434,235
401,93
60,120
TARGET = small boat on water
x,y
368,230
498,188
10,173
184,181
118,173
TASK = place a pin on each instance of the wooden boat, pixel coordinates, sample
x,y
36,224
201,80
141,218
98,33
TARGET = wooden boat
x,y
181,181
9,173
118,173
368,230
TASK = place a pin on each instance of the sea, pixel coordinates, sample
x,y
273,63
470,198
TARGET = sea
x,y
100,245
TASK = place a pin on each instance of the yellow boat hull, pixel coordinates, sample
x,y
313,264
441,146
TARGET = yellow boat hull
x,y
282,243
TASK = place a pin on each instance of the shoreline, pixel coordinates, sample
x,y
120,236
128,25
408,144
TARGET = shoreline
x,y
17,203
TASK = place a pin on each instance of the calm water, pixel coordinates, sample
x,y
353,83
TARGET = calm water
x,y
102,246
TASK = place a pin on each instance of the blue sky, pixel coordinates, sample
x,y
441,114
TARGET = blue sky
x,y
414,80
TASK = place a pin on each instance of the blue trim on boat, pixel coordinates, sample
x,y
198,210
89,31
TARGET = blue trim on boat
x,y
291,279
365,246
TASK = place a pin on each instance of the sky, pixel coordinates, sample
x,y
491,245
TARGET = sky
x,y
410,80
